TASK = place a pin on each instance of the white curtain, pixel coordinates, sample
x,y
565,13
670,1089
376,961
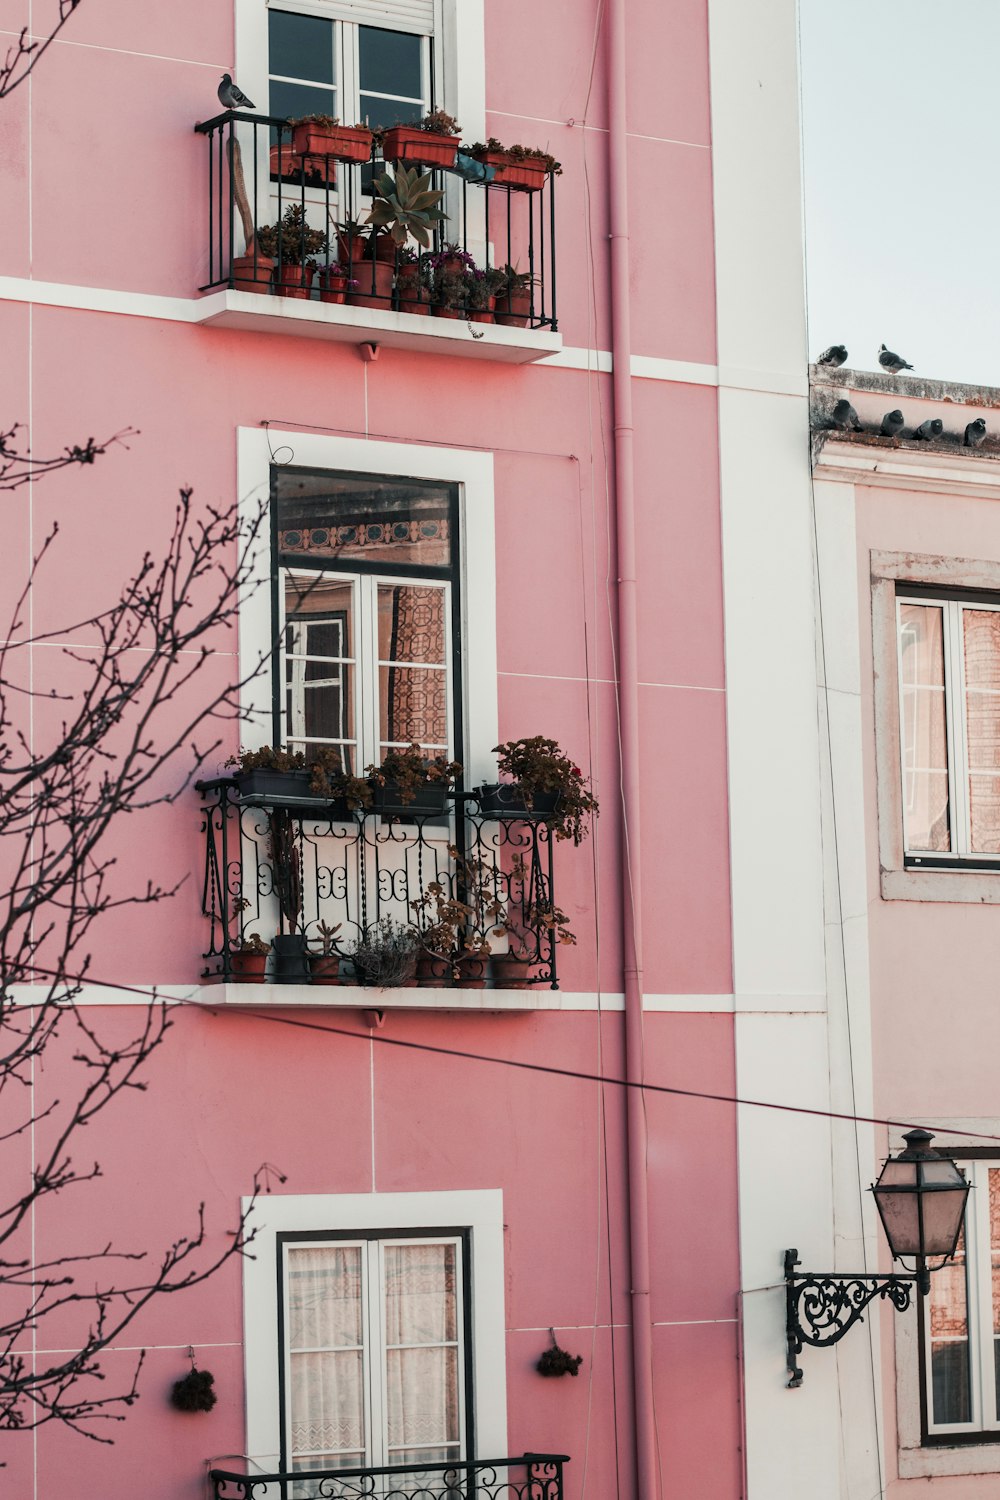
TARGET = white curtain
x,y
325,1356
421,1322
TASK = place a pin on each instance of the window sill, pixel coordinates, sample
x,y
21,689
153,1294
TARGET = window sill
x,y
975,887
362,325
367,997
937,1461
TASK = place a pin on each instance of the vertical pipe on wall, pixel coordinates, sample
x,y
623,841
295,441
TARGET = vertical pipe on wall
x,y
647,1475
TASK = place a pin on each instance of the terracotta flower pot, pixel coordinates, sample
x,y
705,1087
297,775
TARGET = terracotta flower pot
x,y
407,143
433,971
332,283
514,309
510,973
295,281
483,314
525,176
366,273
253,276
287,163
471,972
345,142
324,968
412,297
248,968
440,311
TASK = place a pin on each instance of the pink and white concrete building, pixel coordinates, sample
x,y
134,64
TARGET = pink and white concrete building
x,y
592,521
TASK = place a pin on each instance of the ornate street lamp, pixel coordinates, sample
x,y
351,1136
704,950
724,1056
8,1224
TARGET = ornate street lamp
x,y
921,1199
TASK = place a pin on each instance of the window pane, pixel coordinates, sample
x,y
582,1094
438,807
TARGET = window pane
x,y
414,706
981,638
293,100
411,623
319,677
949,1337
422,1392
923,732
421,1305
390,62
984,812
994,1189
300,46
328,1413
324,1297
364,518
375,112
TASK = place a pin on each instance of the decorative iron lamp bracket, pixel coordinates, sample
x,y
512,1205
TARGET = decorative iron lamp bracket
x,y
821,1306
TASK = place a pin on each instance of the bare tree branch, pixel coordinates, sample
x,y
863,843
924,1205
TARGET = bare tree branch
x,y
19,465
24,54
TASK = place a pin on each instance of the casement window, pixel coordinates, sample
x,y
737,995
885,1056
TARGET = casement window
x,y
367,63
374,1350
374,1330
960,1328
949,721
366,595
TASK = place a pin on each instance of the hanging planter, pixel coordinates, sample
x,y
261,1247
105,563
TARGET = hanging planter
x,y
195,1392
556,1361
523,168
432,143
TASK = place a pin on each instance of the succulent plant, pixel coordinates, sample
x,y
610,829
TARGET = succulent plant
x,y
406,205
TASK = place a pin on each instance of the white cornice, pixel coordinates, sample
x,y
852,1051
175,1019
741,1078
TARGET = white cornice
x,y
905,469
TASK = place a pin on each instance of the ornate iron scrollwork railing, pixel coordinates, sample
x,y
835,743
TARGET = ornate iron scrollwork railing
x,y
353,870
821,1306
532,1476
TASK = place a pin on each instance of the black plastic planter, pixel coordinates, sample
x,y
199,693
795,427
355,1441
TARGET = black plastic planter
x,y
275,787
428,802
504,800
291,961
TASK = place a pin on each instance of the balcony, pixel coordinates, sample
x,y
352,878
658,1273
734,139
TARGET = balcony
x,y
532,1476
395,296
396,896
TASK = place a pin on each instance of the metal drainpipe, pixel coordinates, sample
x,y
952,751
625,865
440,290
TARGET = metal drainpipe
x,y
647,1468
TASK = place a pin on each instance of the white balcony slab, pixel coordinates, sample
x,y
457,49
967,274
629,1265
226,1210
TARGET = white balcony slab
x,y
345,324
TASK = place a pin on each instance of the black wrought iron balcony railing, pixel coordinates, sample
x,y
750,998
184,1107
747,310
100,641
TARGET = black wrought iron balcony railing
x,y
532,1476
491,260
390,895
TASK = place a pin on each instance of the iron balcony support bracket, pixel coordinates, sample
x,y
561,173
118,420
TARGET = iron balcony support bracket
x,y
821,1306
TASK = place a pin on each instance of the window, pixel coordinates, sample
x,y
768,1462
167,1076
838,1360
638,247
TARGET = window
x,y
374,1329
319,64
961,1324
949,709
373,1344
366,597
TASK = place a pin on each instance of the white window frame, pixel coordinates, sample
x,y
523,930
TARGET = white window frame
x,y
979,1303
473,473
459,55
901,880
480,1212
367,662
378,1451
959,812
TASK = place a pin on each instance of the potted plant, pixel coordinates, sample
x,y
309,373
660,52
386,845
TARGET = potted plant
x,y
293,242
269,774
450,294
248,960
432,142
413,283
324,965
386,955
323,135
543,783
314,171
483,286
409,782
253,271
513,306
369,257
451,951
335,283
523,168
518,968
405,205
291,965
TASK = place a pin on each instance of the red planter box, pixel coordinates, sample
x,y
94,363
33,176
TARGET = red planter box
x,y
527,176
345,142
406,143
316,170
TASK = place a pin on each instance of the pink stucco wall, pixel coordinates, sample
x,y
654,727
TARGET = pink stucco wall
x,y
104,184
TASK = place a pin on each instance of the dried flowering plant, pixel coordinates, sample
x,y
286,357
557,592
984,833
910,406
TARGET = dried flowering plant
x,y
538,765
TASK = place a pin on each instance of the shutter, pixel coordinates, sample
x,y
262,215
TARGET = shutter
x,y
394,15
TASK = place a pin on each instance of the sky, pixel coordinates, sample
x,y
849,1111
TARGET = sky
x,y
902,182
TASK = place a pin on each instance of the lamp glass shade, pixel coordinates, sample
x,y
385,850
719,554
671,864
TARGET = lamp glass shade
x,y
921,1200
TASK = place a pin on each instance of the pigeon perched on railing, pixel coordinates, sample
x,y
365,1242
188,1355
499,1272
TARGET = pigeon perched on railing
x,y
975,433
891,362
845,417
231,97
929,430
892,423
833,357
